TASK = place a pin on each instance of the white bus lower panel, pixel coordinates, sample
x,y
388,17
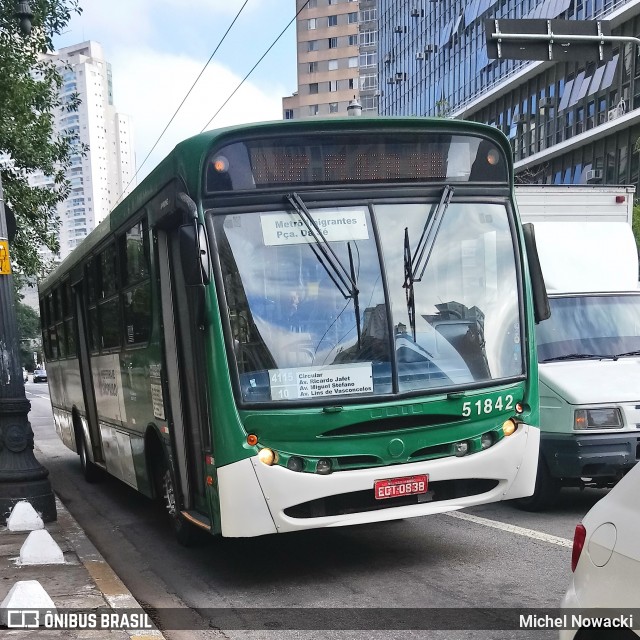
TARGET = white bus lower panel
x,y
256,499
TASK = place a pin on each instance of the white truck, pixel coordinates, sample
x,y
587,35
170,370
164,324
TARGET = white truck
x,y
589,349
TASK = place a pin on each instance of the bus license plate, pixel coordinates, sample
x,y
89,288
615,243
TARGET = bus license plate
x,y
396,487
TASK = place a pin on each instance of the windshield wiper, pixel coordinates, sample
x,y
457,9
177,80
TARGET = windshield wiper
x,y
580,356
344,280
626,353
415,265
408,284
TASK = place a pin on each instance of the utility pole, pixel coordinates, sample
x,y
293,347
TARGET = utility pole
x,y
22,477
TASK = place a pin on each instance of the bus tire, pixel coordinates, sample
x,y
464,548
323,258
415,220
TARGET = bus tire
x,y
545,493
90,471
186,534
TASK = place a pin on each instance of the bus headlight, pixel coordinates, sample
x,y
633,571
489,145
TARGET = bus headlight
x,y
604,418
323,467
509,427
267,456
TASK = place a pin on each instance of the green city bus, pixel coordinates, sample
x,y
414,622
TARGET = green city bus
x,y
305,324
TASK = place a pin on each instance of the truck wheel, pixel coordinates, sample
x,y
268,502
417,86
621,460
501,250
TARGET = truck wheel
x,y
545,493
186,533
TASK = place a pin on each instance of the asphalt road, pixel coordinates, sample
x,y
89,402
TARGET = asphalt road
x,y
487,557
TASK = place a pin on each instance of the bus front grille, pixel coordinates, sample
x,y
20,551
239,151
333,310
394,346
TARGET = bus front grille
x,y
362,501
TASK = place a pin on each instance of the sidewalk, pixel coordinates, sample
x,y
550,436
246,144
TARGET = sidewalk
x,y
84,584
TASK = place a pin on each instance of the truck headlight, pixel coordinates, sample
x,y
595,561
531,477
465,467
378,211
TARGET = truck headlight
x,y
604,418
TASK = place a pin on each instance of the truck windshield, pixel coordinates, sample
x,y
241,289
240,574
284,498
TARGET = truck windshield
x,y
295,331
580,326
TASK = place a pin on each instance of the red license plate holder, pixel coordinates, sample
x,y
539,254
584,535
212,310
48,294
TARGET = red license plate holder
x,y
400,487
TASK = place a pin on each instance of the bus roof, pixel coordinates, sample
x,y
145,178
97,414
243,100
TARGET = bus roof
x,y
186,160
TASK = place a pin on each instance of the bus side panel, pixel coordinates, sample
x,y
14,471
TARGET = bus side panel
x,y
65,392
118,453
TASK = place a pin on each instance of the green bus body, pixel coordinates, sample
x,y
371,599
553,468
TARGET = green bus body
x,y
151,378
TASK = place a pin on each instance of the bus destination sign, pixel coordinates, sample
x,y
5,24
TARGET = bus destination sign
x,y
316,382
284,228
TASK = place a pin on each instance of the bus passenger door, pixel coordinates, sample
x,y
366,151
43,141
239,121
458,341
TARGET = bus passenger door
x,y
84,361
185,368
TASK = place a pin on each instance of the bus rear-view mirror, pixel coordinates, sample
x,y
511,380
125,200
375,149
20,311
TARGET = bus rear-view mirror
x,y
194,254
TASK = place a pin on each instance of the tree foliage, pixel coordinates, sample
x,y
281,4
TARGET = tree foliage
x,y
29,93
28,321
636,223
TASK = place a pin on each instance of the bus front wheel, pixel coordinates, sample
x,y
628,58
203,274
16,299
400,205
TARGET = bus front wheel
x,y
545,493
185,532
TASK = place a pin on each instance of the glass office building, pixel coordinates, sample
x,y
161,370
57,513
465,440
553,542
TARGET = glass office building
x,y
568,122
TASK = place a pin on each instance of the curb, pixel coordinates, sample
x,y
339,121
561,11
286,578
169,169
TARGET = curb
x,y
108,583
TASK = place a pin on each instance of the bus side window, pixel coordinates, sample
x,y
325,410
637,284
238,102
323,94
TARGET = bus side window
x,y
109,315
134,258
53,336
68,314
44,324
91,284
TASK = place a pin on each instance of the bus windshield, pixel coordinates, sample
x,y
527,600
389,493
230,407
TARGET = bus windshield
x,y
299,334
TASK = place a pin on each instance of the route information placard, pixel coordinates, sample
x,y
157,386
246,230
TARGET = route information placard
x,y
315,382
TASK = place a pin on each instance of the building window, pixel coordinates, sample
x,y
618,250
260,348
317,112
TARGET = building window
x,y
369,81
353,40
313,87
368,103
313,109
288,114
313,67
312,45
312,4
333,43
353,62
332,21
333,85
353,17
333,107
368,59
311,24
333,65
368,37
350,83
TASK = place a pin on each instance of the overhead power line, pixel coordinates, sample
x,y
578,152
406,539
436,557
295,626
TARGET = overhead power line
x,y
155,144
262,57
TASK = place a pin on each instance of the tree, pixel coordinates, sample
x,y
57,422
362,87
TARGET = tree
x,y
28,321
636,223
29,90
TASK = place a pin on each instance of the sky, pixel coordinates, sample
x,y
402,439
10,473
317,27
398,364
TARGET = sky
x,y
157,48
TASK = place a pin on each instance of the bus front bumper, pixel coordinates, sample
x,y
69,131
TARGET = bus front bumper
x,y
256,499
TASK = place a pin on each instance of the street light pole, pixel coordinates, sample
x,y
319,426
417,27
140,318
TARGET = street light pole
x,y
22,477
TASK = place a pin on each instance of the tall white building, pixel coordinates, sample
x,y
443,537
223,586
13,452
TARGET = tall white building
x,y
99,177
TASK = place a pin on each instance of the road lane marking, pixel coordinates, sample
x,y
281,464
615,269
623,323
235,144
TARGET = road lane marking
x,y
36,395
512,528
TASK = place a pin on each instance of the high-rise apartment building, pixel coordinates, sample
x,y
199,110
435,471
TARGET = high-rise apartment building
x,y
568,122
99,177
337,58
